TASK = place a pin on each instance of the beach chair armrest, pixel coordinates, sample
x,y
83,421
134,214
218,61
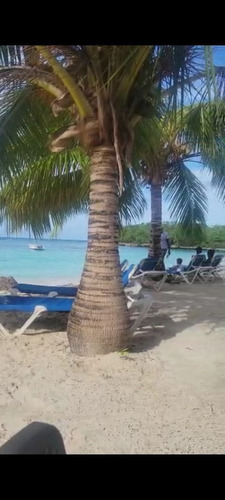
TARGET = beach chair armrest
x,y
145,304
135,289
38,310
195,270
149,273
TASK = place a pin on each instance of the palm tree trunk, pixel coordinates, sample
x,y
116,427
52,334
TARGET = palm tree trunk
x,y
156,219
99,321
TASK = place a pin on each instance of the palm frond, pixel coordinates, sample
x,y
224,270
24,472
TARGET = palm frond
x,y
139,55
218,182
216,165
10,55
77,95
204,126
47,192
55,187
26,121
220,80
186,196
179,67
132,202
147,141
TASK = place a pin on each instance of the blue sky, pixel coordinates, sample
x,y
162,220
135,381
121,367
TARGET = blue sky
x,y
76,227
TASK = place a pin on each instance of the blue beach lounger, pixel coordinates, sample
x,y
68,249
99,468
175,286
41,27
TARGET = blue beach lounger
x,y
34,305
146,268
65,291
37,305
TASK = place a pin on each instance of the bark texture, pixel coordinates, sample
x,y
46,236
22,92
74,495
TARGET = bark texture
x,y
99,321
156,219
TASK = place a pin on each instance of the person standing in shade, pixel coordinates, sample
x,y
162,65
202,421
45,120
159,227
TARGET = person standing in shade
x,y
165,244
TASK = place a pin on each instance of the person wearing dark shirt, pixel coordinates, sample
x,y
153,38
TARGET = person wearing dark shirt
x,y
210,255
198,252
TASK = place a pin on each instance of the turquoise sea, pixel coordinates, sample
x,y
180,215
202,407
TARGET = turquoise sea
x,y
62,260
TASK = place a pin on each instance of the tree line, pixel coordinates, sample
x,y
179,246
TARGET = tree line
x,y
208,237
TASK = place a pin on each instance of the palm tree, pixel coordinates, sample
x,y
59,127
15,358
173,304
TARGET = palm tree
x,y
103,93
193,134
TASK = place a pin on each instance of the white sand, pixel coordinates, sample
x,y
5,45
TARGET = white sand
x,y
165,396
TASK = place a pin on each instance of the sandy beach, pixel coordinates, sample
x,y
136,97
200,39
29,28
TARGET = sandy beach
x,y
165,396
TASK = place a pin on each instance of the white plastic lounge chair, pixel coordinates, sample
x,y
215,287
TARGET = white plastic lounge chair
x,y
207,273
151,275
146,268
191,272
127,274
124,265
145,302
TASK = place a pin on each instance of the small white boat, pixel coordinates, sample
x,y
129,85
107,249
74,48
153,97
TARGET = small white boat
x,y
36,247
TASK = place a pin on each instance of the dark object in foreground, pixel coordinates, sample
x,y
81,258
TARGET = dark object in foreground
x,y
35,439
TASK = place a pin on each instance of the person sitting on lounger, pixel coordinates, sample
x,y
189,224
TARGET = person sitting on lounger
x,y
210,255
178,267
198,251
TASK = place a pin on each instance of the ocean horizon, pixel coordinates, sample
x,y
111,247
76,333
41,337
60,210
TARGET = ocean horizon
x,y
62,260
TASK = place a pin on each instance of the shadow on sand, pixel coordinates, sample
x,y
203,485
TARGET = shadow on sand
x,y
175,310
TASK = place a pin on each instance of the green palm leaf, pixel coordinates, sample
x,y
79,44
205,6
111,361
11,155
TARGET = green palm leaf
x,y
186,196
47,192
26,121
55,187
132,202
